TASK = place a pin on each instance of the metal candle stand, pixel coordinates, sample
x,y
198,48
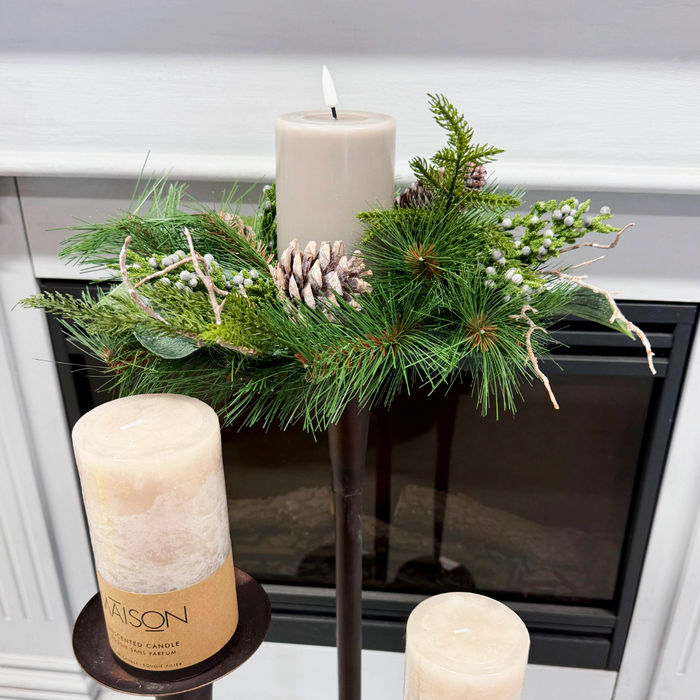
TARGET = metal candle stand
x,y
348,447
92,650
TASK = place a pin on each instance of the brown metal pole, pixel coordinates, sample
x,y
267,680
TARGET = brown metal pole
x,y
446,419
382,496
348,447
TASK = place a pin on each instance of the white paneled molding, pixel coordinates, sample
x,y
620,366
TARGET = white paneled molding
x,y
45,569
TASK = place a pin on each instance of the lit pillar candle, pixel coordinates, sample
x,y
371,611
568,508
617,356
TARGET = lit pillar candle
x,y
153,484
463,645
329,169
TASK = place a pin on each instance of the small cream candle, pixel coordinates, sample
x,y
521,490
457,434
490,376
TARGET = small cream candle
x,y
330,169
464,645
153,484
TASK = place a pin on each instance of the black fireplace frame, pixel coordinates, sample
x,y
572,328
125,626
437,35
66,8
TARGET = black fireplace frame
x,y
562,635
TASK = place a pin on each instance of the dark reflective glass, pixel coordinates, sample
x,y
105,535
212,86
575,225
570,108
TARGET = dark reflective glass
x,y
530,507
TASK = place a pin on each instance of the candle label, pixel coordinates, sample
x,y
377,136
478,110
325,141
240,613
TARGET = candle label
x,y
170,631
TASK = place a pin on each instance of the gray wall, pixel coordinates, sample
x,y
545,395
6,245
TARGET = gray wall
x,y
597,29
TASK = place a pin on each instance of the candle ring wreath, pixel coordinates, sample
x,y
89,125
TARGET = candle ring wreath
x,y
446,286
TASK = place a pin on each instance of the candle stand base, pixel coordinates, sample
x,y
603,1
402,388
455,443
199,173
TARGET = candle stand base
x,y
92,650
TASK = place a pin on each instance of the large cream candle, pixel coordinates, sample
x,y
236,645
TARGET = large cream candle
x,y
329,170
464,646
153,484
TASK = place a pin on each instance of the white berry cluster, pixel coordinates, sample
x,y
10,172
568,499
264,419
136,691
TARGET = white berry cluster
x,y
543,237
186,280
497,273
547,227
241,279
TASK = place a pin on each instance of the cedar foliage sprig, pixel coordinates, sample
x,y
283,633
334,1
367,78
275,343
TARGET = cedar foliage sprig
x,y
458,294
445,175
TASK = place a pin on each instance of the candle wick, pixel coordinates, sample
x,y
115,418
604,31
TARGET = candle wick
x,y
334,113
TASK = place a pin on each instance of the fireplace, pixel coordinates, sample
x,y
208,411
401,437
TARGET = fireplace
x,y
549,512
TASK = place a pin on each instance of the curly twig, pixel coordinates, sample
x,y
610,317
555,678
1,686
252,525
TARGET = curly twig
x,y
530,352
616,315
609,246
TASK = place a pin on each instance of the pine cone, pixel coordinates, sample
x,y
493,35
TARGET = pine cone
x,y
238,223
413,197
248,233
475,178
418,195
317,275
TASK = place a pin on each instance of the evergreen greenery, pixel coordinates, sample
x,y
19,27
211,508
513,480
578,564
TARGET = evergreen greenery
x,y
453,291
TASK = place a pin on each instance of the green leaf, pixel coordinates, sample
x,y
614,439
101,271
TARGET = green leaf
x,y
590,306
117,294
168,347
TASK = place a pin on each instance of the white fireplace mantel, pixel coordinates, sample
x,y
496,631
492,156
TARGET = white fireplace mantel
x,y
571,122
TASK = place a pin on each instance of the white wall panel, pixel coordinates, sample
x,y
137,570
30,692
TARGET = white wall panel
x,y
40,409
678,674
32,613
45,571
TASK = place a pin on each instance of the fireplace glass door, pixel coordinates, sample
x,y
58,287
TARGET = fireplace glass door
x,y
533,507
548,511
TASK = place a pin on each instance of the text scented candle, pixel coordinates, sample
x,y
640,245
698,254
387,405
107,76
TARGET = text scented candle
x,y
152,479
328,170
461,646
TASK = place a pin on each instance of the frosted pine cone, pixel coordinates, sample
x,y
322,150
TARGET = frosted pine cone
x,y
317,275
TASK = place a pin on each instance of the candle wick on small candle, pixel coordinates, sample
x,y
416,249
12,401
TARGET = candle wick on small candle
x,y
334,113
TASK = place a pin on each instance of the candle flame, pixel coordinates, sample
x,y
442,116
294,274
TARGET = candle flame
x,y
329,93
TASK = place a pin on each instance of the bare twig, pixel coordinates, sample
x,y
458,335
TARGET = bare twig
x,y
129,287
597,245
530,352
206,279
165,271
616,315
220,292
583,264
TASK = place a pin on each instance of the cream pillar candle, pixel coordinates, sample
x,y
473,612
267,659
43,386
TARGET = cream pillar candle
x,y
153,485
464,646
329,170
